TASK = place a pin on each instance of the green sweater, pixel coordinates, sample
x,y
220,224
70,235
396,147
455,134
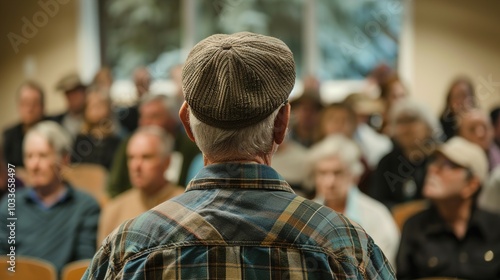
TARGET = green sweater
x,y
61,234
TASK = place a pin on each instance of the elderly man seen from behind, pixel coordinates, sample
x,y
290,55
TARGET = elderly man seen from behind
x,y
453,238
336,167
148,156
55,222
238,218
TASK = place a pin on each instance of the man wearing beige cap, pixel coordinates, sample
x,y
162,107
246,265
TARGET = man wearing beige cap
x,y
238,218
74,91
453,238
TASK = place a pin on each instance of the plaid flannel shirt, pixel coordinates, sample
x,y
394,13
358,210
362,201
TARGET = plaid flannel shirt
x,y
239,221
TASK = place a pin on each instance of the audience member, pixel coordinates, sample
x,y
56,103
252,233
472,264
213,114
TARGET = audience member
x,y
453,238
142,81
30,104
475,126
373,145
74,90
460,98
99,136
148,157
400,175
335,171
103,79
55,221
340,118
238,219
154,110
392,91
305,115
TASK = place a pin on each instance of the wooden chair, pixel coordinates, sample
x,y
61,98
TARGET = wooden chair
x,y
74,270
403,211
27,268
91,178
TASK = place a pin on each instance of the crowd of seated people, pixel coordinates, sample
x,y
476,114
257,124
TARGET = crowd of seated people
x,y
333,154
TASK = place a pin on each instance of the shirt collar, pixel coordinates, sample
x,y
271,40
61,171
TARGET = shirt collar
x,y
234,175
31,196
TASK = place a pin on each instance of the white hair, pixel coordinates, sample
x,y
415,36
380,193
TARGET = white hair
x,y
166,140
340,146
418,110
57,137
225,144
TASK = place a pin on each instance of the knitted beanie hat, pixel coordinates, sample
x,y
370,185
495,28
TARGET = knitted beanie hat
x,y
234,81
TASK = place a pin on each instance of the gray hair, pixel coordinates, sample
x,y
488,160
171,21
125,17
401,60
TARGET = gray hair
x,y
224,144
166,140
57,137
340,146
418,110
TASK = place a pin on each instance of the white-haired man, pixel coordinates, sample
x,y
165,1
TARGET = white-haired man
x,y
335,169
453,238
55,222
238,218
148,157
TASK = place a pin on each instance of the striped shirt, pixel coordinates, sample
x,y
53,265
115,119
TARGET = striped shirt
x,y
239,221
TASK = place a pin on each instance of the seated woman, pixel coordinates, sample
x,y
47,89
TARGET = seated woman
x,y
98,138
335,169
400,174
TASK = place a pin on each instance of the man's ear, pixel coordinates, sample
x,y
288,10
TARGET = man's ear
x,y
281,123
184,116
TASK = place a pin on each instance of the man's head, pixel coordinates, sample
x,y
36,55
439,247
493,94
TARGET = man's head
x,y
335,163
236,89
30,100
46,149
74,90
148,157
456,172
142,80
460,96
158,110
475,126
338,118
412,124
98,106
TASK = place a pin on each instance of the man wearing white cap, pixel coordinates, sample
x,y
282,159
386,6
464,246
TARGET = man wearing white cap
x,y
453,238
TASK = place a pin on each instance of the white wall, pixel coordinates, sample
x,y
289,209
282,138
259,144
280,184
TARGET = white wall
x,y
451,38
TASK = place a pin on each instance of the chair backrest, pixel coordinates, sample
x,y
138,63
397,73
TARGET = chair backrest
x,y
26,268
403,211
74,270
91,178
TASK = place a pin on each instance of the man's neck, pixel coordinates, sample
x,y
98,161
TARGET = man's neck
x,y
336,205
153,197
259,159
456,214
49,195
